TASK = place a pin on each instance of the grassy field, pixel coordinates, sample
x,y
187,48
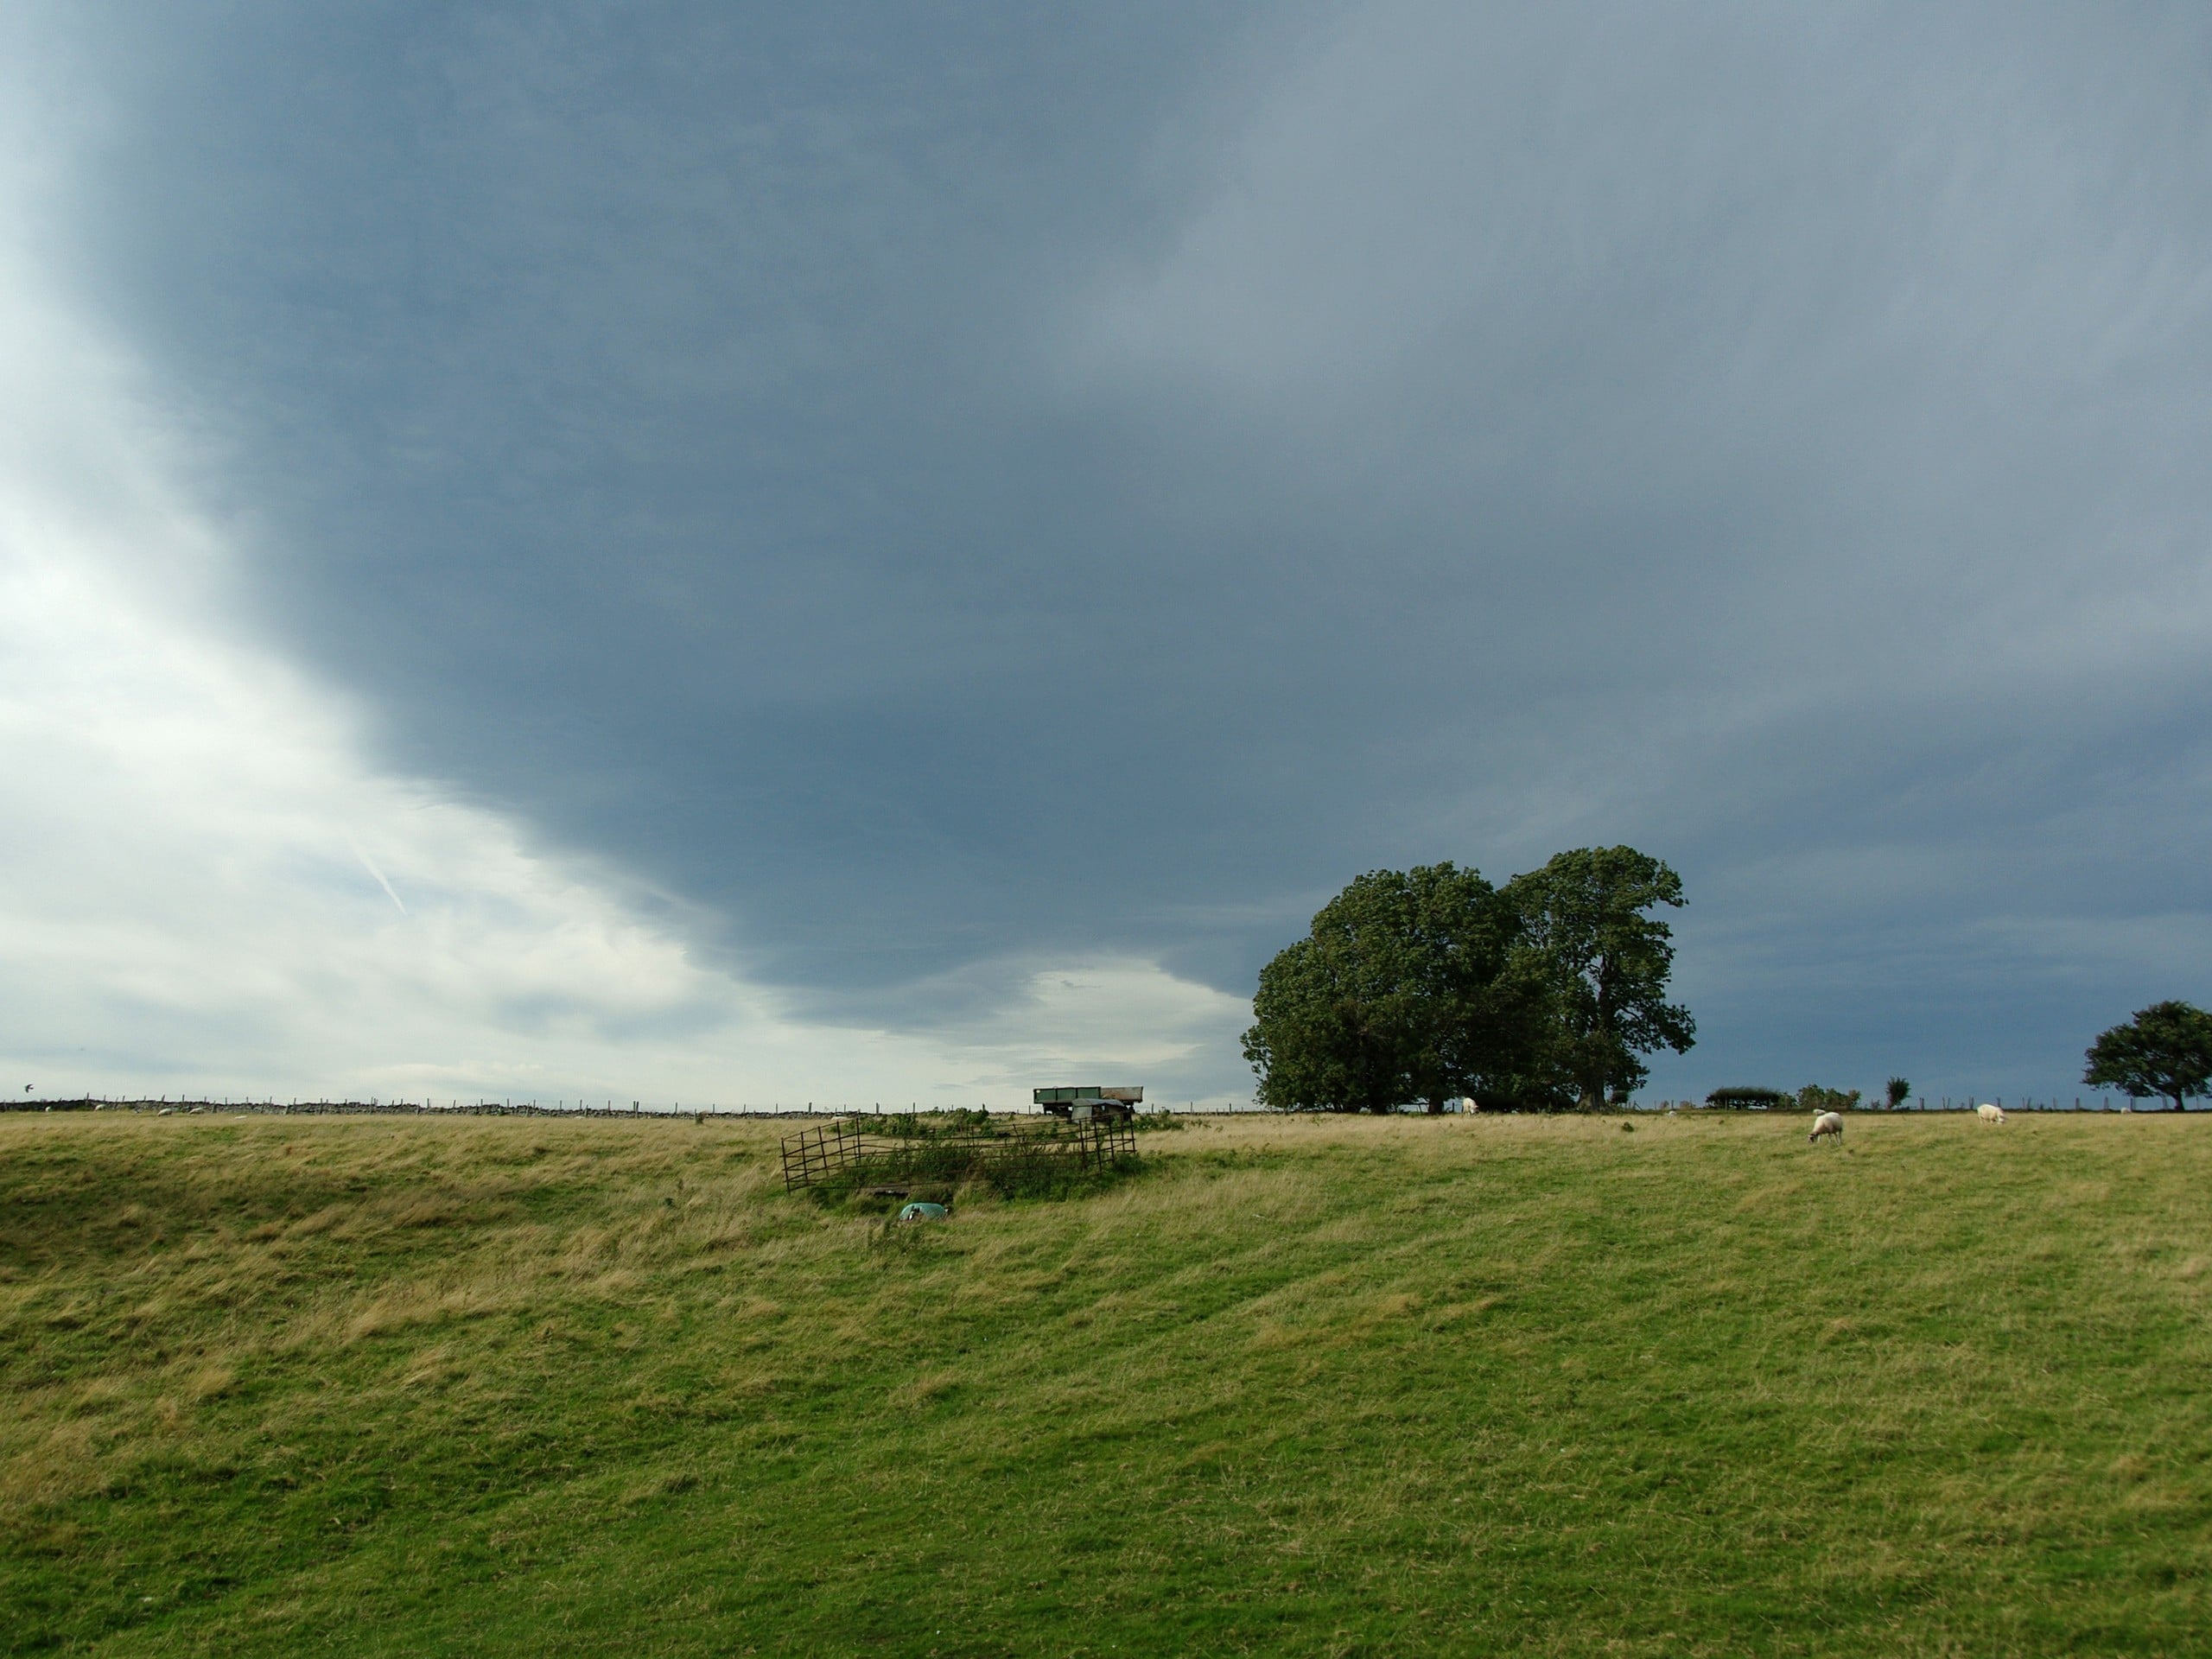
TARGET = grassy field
x,y
1325,1387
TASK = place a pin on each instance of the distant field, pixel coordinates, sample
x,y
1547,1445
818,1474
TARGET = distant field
x,y
1309,1387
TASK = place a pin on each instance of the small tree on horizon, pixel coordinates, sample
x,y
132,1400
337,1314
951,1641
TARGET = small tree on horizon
x,y
2165,1052
1899,1089
1813,1098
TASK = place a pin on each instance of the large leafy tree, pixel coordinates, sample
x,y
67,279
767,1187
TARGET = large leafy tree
x,y
1587,934
1402,992
2165,1050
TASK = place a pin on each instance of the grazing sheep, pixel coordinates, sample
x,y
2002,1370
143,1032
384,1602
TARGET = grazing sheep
x,y
1827,1123
1989,1114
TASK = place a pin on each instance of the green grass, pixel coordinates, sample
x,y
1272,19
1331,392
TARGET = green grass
x,y
1304,1387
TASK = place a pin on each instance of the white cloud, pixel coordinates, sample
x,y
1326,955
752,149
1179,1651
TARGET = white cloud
x,y
205,886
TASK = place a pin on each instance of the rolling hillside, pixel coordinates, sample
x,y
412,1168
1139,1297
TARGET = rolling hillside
x,y
1305,1386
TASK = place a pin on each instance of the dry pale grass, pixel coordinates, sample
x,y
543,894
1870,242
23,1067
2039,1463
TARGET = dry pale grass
x,y
234,1235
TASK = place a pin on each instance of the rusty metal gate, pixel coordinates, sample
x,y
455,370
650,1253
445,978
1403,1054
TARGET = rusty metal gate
x,y
855,1152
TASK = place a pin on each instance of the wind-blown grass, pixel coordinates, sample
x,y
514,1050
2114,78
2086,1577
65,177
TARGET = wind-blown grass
x,y
1330,1387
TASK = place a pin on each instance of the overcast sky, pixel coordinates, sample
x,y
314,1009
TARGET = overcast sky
x,y
865,551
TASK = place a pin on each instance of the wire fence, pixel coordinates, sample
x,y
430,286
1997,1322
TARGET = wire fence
x,y
270,1107
484,1107
1969,1103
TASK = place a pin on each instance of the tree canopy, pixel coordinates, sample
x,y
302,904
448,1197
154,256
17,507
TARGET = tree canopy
x,y
2165,1051
1605,962
1400,993
1428,984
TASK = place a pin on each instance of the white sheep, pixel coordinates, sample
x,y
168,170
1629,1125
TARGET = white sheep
x,y
1989,1114
1827,1123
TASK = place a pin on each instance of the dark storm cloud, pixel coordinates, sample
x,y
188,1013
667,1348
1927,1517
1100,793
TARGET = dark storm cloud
x,y
933,485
